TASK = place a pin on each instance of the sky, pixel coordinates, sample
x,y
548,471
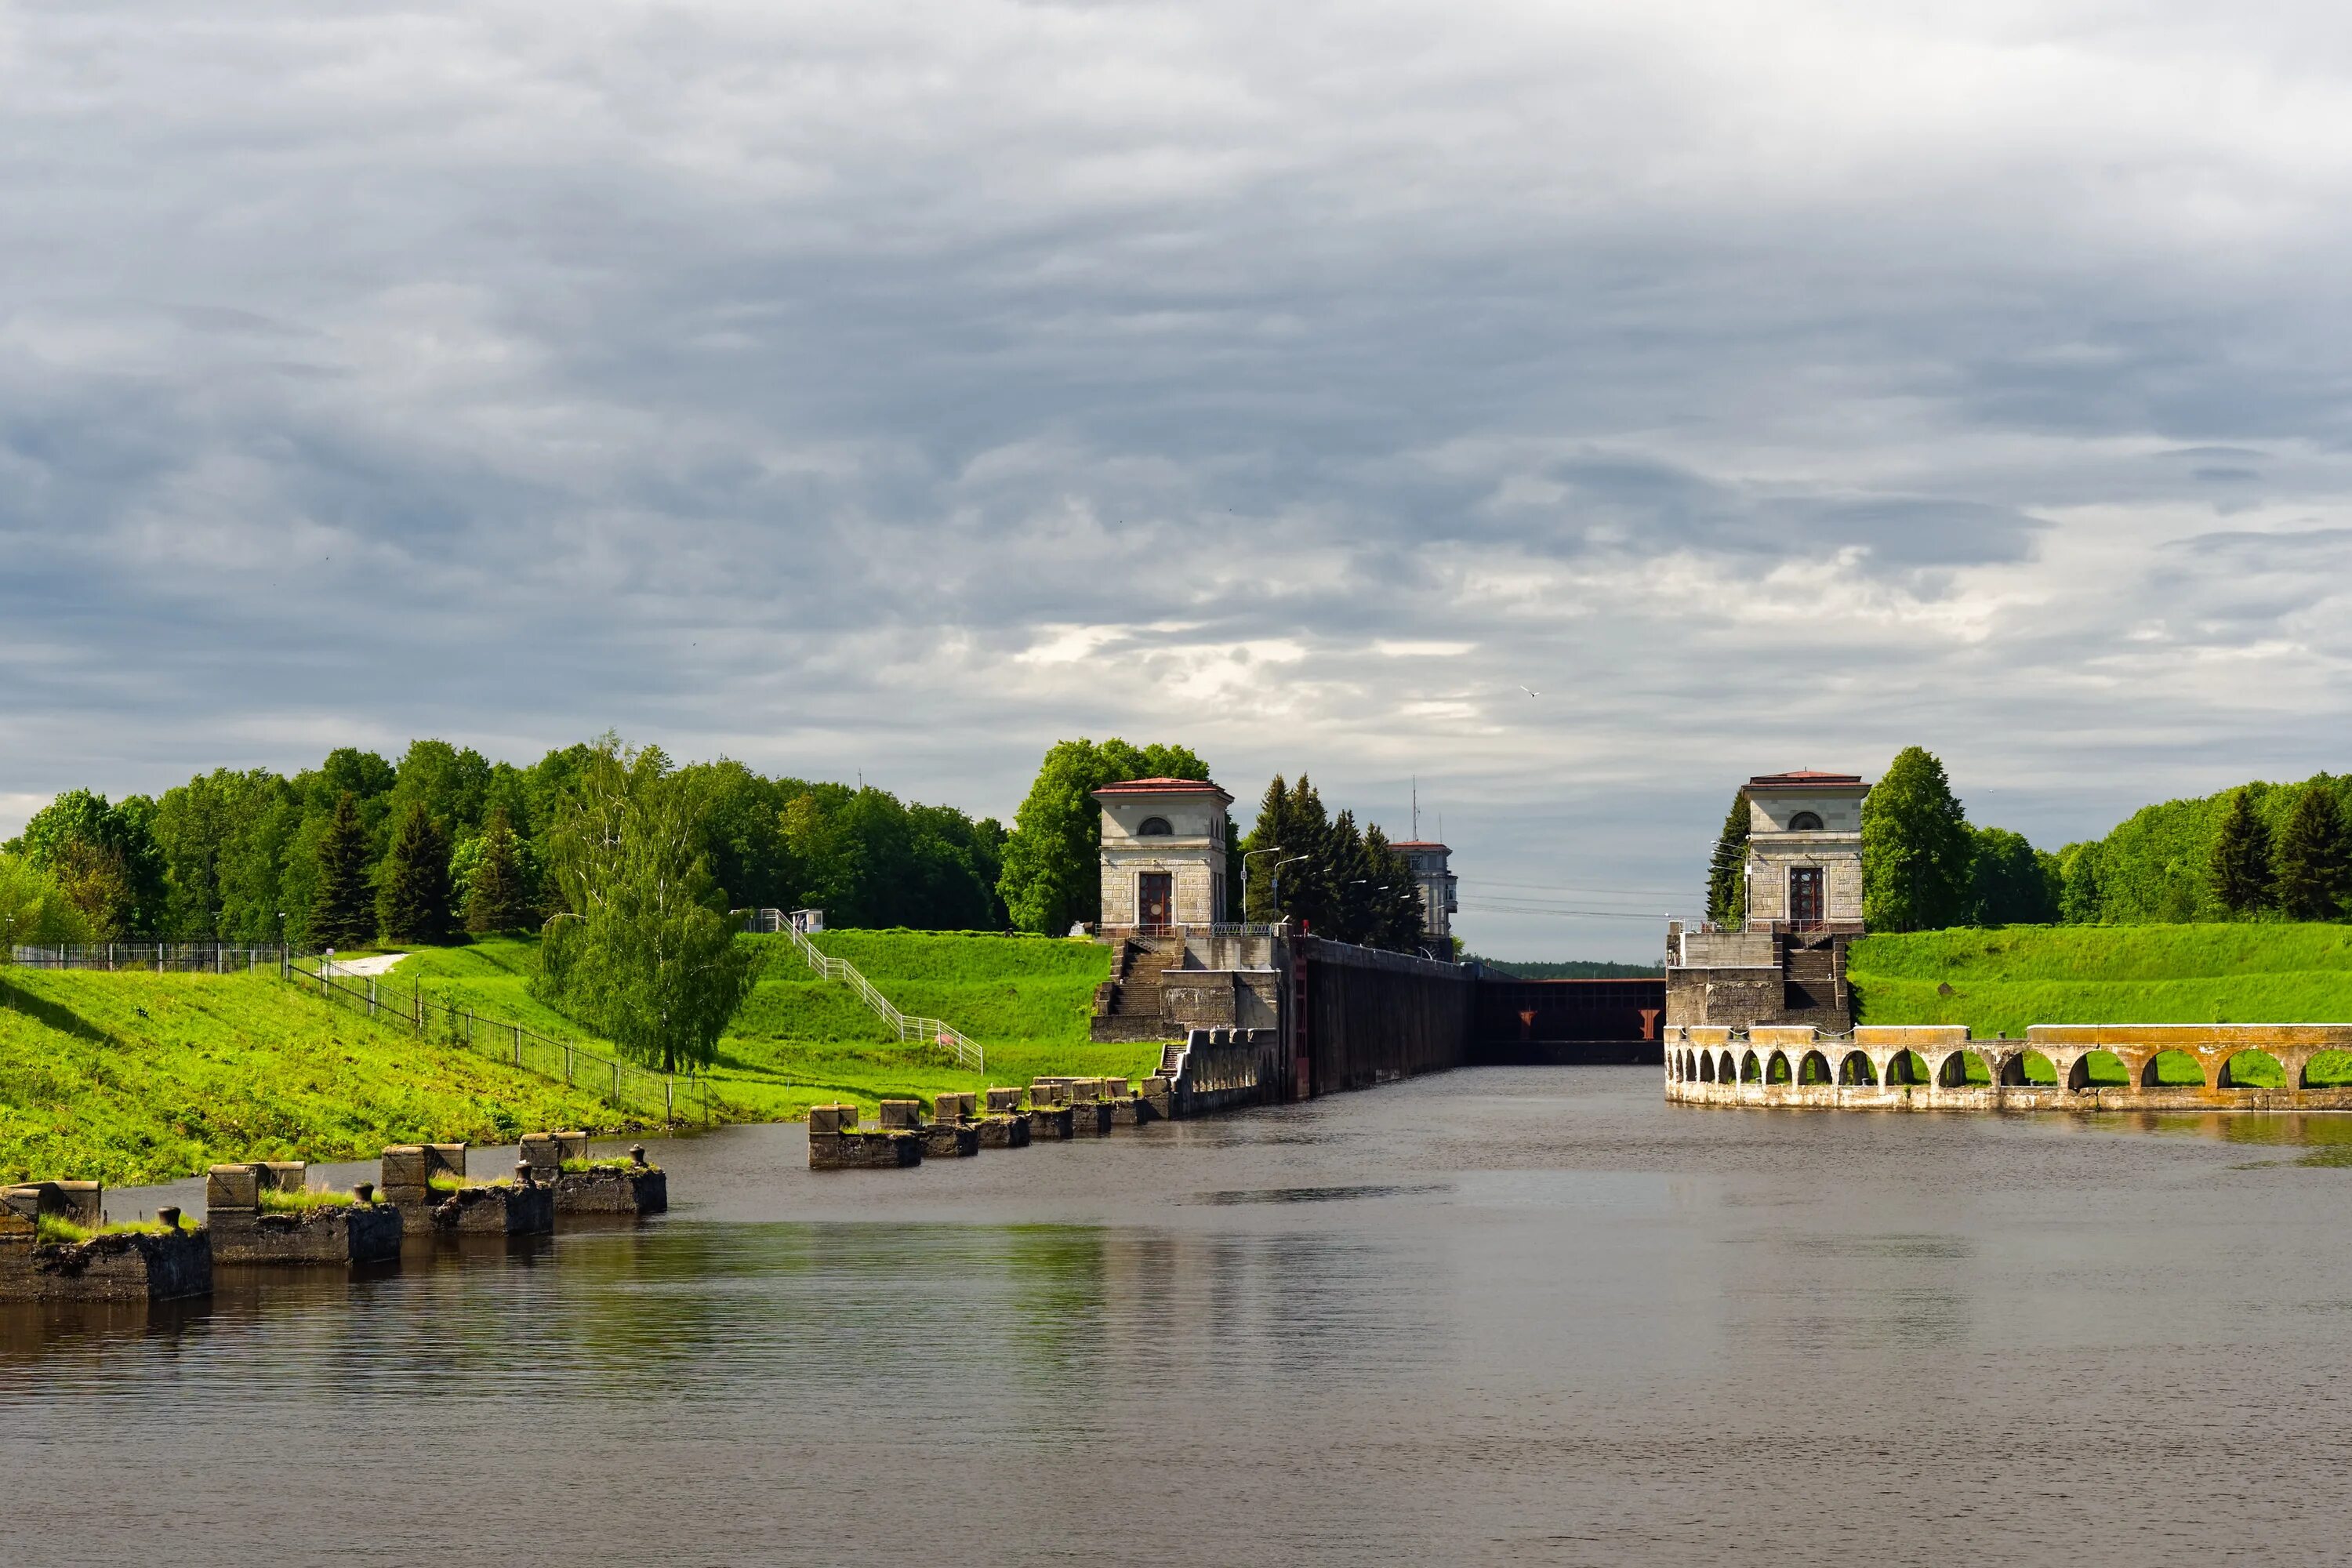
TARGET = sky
x,y
1575,408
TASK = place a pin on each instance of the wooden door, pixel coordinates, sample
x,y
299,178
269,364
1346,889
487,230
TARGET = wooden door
x,y
1155,899
1804,895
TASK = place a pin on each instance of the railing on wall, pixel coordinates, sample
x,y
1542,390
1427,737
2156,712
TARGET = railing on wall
x,y
161,958
627,1087
966,1050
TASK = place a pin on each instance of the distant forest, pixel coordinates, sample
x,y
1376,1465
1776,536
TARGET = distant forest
x,y
1571,969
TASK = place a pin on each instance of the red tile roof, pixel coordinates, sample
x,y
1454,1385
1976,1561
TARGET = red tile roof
x,y
1162,786
1416,844
1803,778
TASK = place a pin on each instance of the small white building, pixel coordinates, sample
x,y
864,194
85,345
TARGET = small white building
x,y
1804,852
1163,854
1427,860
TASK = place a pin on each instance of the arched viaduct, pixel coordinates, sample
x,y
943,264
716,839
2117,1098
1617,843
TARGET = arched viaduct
x,y
2245,1067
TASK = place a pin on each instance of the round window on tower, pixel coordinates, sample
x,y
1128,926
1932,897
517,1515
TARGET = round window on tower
x,y
1804,822
1155,827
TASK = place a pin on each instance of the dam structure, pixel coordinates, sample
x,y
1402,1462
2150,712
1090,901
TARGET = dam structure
x,y
1935,1067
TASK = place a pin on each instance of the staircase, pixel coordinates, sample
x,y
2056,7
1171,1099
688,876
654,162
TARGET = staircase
x,y
1812,982
1127,1004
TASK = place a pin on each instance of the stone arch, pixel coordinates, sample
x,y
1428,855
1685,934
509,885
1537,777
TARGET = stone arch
x,y
1154,827
1777,1070
2327,1069
1961,1069
1750,1069
2028,1069
1815,1068
1727,1067
1907,1067
2098,1069
1706,1066
2253,1069
1805,822
1856,1068
2172,1069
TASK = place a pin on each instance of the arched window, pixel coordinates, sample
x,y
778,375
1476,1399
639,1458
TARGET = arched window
x,y
1804,822
1155,827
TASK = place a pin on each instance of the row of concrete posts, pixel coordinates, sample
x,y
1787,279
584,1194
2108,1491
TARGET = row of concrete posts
x,y
55,1244
962,1123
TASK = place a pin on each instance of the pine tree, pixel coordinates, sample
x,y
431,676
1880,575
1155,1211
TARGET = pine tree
x,y
1727,872
415,902
499,897
2313,862
1917,853
342,912
2242,873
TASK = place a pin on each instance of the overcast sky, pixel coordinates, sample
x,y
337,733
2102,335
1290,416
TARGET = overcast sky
x,y
897,387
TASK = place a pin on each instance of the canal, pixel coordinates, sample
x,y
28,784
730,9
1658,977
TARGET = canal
x,y
1498,1316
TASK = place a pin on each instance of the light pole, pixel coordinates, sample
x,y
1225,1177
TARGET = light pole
x,y
1246,856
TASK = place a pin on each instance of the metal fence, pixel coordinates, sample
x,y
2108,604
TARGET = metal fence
x,y
966,1050
624,1086
159,958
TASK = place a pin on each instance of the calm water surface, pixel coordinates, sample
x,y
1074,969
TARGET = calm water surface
x,y
1496,1316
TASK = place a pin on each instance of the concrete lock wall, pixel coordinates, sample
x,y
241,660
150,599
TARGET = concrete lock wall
x,y
1373,1017
1869,1069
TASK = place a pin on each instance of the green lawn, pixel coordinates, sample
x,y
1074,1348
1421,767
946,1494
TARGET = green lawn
x,y
799,1041
2002,981
131,1077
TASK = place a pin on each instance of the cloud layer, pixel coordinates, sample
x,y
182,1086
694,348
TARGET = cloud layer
x,y
897,387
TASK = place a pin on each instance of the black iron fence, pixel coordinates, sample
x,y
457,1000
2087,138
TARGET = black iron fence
x,y
627,1087
161,958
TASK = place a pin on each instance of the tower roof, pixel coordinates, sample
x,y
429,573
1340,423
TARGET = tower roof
x,y
1805,778
1163,786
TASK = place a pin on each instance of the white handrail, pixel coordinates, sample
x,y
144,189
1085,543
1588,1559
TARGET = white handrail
x,y
932,1031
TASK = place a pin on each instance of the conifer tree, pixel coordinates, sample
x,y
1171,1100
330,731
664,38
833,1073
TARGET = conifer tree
x,y
499,897
1726,871
2314,863
342,912
2242,872
415,902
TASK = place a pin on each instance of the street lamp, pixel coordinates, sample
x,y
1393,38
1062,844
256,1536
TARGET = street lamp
x,y
1276,849
1278,865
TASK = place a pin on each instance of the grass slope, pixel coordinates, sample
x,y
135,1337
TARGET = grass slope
x,y
799,1040
139,1077
2003,980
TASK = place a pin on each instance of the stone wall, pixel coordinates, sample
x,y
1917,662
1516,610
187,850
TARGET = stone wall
x,y
1373,1017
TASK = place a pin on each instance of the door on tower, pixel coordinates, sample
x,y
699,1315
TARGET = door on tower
x,y
1805,897
1155,899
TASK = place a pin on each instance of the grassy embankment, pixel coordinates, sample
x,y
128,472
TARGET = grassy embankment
x,y
2002,981
799,1041
129,1077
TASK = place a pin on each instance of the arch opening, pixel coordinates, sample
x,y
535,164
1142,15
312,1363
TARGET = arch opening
x,y
1805,822
1706,1066
2172,1069
1750,1069
1777,1070
1963,1070
1814,1068
1726,1068
2099,1069
1906,1066
2029,1069
2327,1070
2253,1069
1155,827
1855,1071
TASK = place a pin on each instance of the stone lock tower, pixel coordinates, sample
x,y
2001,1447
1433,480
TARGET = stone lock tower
x,y
1787,962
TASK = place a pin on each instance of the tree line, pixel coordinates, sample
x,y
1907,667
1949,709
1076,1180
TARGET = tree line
x,y
1339,879
361,848
2275,851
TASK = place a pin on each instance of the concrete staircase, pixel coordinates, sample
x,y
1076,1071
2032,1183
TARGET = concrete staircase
x,y
1127,1004
1813,980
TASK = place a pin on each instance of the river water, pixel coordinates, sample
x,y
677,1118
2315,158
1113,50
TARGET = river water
x,y
1496,1316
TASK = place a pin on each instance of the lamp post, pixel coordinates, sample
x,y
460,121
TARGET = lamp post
x,y
1246,856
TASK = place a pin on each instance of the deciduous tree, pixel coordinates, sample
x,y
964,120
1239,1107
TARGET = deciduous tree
x,y
1916,851
2009,881
1053,859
